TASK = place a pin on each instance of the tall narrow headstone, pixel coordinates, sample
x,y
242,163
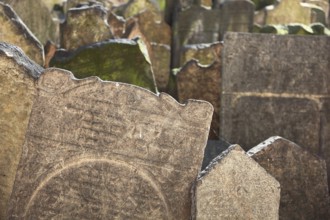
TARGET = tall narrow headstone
x,y
17,92
14,31
116,60
275,85
117,151
84,26
234,186
303,178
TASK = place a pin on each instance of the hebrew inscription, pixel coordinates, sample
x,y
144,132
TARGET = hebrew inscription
x,y
108,150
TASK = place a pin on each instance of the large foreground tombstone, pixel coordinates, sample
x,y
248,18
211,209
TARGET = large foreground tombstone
x,y
17,92
276,85
107,150
303,178
14,31
234,186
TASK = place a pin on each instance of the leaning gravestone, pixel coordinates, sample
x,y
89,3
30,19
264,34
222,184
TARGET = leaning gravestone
x,y
303,178
234,186
108,150
275,85
201,82
14,31
84,26
17,92
115,60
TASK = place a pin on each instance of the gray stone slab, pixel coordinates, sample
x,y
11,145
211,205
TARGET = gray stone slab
x,y
100,150
14,31
17,92
84,26
201,82
303,178
234,186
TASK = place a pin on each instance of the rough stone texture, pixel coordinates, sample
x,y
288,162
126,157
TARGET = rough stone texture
x,y
294,11
206,54
194,26
234,186
213,149
237,16
274,85
117,25
114,60
135,7
117,151
17,90
14,31
160,62
84,26
303,178
37,17
201,82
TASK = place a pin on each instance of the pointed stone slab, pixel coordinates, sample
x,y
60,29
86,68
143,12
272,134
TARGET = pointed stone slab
x,y
303,178
84,26
115,60
14,31
294,11
234,186
270,83
201,82
106,150
17,91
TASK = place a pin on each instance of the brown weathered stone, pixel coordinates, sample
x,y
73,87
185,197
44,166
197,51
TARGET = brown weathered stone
x,y
84,26
201,82
13,31
294,11
274,85
117,25
160,62
36,15
105,150
206,54
236,187
303,178
17,91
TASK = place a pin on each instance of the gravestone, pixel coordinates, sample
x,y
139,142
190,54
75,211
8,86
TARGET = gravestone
x,y
294,11
213,149
14,31
17,91
36,16
84,26
119,60
206,54
201,82
135,7
303,178
117,151
236,16
274,85
117,25
160,62
194,26
234,186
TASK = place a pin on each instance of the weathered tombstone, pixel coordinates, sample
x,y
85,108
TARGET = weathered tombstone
x,y
294,11
234,186
160,61
134,7
17,91
213,149
84,26
13,31
236,16
303,178
206,54
201,82
117,151
117,25
274,85
194,26
37,18
115,60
